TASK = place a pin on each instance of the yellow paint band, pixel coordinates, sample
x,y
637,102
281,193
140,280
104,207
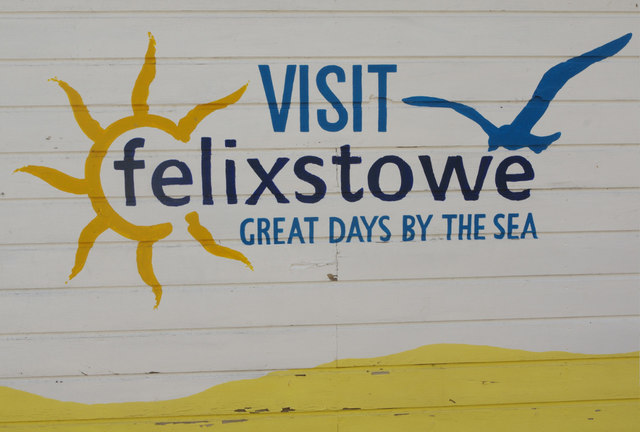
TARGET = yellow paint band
x,y
593,416
365,397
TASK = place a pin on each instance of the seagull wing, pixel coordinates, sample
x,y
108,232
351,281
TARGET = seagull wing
x,y
556,77
470,113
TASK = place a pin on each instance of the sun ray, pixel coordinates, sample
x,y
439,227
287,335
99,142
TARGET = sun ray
x,y
145,268
140,93
88,124
205,238
87,238
189,122
91,185
57,179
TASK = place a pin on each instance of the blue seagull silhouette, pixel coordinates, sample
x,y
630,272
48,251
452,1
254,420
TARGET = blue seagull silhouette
x,y
518,134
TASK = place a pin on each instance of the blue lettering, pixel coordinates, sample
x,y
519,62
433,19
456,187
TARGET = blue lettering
x,y
278,115
263,230
496,222
382,70
295,231
277,230
423,226
243,226
477,226
529,227
354,230
512,226
323,88
332,223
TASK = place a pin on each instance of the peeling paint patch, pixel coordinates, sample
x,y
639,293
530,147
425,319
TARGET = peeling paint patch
x,y
234,421
180,422
310,265
352,391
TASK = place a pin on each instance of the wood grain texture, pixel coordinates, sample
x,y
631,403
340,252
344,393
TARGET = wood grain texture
x,y
238,35
287,347
327,389
319,303
463,6
596,416
476,79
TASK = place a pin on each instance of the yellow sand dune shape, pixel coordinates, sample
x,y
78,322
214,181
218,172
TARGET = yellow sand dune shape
x,y
437,387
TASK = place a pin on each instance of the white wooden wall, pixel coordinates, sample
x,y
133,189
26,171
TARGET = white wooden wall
x,y
97,339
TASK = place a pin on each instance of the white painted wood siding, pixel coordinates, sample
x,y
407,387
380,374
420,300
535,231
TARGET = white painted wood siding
x,y
97,338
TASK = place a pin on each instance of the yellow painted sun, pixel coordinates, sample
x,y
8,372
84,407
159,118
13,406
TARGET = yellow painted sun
x,y
106,217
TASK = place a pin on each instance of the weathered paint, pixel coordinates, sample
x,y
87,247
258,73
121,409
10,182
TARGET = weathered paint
x,y
356,394
228,344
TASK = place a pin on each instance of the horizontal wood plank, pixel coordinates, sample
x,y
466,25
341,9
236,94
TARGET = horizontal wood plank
x,y
349,5
70,215
251,349
189,81
320,303
573,254
596,416
239,35
54,131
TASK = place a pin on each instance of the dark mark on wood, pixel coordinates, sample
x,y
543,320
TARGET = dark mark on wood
x,y
380,373
401,414
260,410
240,410
590,418
451,400
234,421
301,374
181,422
350,409
332,277
287,409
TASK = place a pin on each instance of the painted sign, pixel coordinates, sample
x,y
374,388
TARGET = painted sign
x,y
514,136
399,218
